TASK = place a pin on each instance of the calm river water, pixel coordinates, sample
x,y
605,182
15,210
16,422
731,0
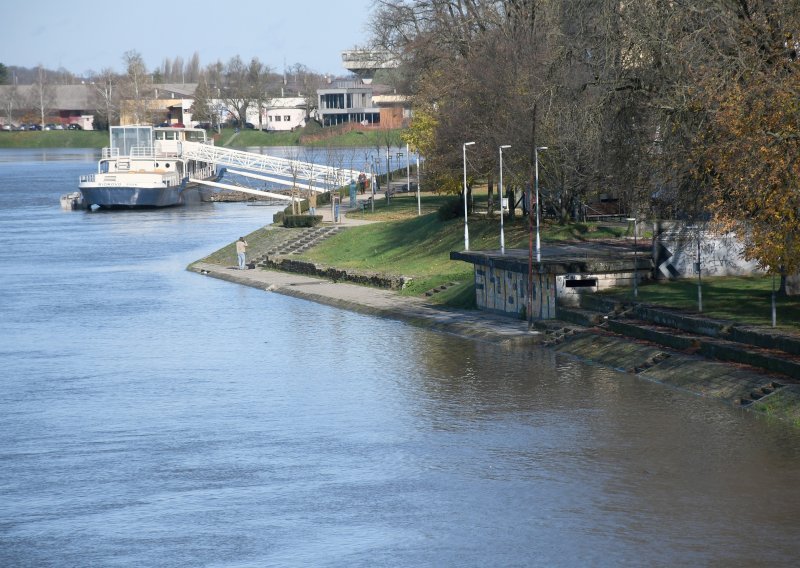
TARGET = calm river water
x,y
154,417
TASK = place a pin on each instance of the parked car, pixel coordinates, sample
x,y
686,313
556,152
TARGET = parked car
x,y
249,125
7,127
178,125
34,127
74,126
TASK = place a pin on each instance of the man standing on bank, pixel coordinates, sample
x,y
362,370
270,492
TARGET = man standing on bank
x,y
241,250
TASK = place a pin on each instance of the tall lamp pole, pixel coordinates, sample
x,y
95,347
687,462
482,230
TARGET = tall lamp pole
x,y
466,227
536,184
502,233
419,201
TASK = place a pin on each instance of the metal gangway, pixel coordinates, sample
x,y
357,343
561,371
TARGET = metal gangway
x,y
281,171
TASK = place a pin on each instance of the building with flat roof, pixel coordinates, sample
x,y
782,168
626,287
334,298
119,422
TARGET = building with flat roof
x,y
347,102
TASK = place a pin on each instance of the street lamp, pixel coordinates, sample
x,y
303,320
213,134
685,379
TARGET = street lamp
x,y
502,234
466,223
419,200
536,183
635,259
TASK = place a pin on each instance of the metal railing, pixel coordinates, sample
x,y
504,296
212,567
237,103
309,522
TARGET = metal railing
x,y
292,170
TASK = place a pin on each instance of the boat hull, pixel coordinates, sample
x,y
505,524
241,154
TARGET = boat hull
x,y
132,197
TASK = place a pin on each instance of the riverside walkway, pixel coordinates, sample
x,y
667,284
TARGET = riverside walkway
x,y
379,302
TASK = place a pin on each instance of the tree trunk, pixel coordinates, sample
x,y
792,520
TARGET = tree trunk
x,y
790,285
489,203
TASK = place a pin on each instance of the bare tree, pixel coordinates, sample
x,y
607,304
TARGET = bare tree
x,y
42,94
235,92
136,87
192,69
10,99
106,96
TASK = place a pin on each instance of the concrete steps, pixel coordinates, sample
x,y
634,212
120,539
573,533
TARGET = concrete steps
x,y
296,242
720,340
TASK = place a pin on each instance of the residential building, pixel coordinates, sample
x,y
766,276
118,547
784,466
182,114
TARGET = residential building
x,y
347,102
283,114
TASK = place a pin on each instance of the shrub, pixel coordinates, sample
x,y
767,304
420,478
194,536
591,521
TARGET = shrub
x,y
292,221
450,209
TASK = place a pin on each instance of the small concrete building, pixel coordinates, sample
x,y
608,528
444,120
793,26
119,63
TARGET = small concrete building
x,y
563,274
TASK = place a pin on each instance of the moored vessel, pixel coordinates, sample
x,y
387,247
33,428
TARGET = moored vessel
x,y
144,166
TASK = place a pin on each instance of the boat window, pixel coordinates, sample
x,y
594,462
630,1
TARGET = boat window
x,y
125,138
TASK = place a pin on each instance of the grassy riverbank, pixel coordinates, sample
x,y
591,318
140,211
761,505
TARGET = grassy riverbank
x,y
228,138
419,246
405,244
747,300
54,139
334,137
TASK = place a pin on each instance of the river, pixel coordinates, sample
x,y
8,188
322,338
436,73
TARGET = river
x,y
153,417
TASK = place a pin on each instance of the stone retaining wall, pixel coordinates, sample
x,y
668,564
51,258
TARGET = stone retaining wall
x,y
337,274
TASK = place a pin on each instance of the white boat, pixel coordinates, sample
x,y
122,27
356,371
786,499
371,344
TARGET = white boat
x,y
73,201
144,166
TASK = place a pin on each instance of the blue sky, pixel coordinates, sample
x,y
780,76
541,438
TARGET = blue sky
x,y
91,35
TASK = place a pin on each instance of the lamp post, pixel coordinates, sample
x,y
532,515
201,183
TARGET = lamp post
x,y
502,233
466,222
408,171
635,259
419,200
536,183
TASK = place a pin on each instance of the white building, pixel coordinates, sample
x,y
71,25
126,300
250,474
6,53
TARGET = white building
x,y
284,113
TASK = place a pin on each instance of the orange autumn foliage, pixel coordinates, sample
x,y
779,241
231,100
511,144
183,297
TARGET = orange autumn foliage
x,y
751,157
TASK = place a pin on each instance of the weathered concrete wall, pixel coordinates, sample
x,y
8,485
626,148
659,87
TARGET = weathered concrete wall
x,y
675,253
570,295
506,292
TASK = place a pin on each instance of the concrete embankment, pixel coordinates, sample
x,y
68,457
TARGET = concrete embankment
x,y
379,302
751,368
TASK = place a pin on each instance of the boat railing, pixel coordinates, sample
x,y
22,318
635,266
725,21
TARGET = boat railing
x,y
110,153
142,152
88,178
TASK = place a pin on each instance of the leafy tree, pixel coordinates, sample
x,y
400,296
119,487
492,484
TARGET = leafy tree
x,y
203,107
752,164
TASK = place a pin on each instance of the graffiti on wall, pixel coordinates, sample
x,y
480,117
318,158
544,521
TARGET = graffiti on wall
x,y
677,250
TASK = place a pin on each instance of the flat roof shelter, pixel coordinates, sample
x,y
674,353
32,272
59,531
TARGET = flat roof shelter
x,y
564,273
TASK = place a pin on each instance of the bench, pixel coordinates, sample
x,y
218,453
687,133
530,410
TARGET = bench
x,y
366,204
